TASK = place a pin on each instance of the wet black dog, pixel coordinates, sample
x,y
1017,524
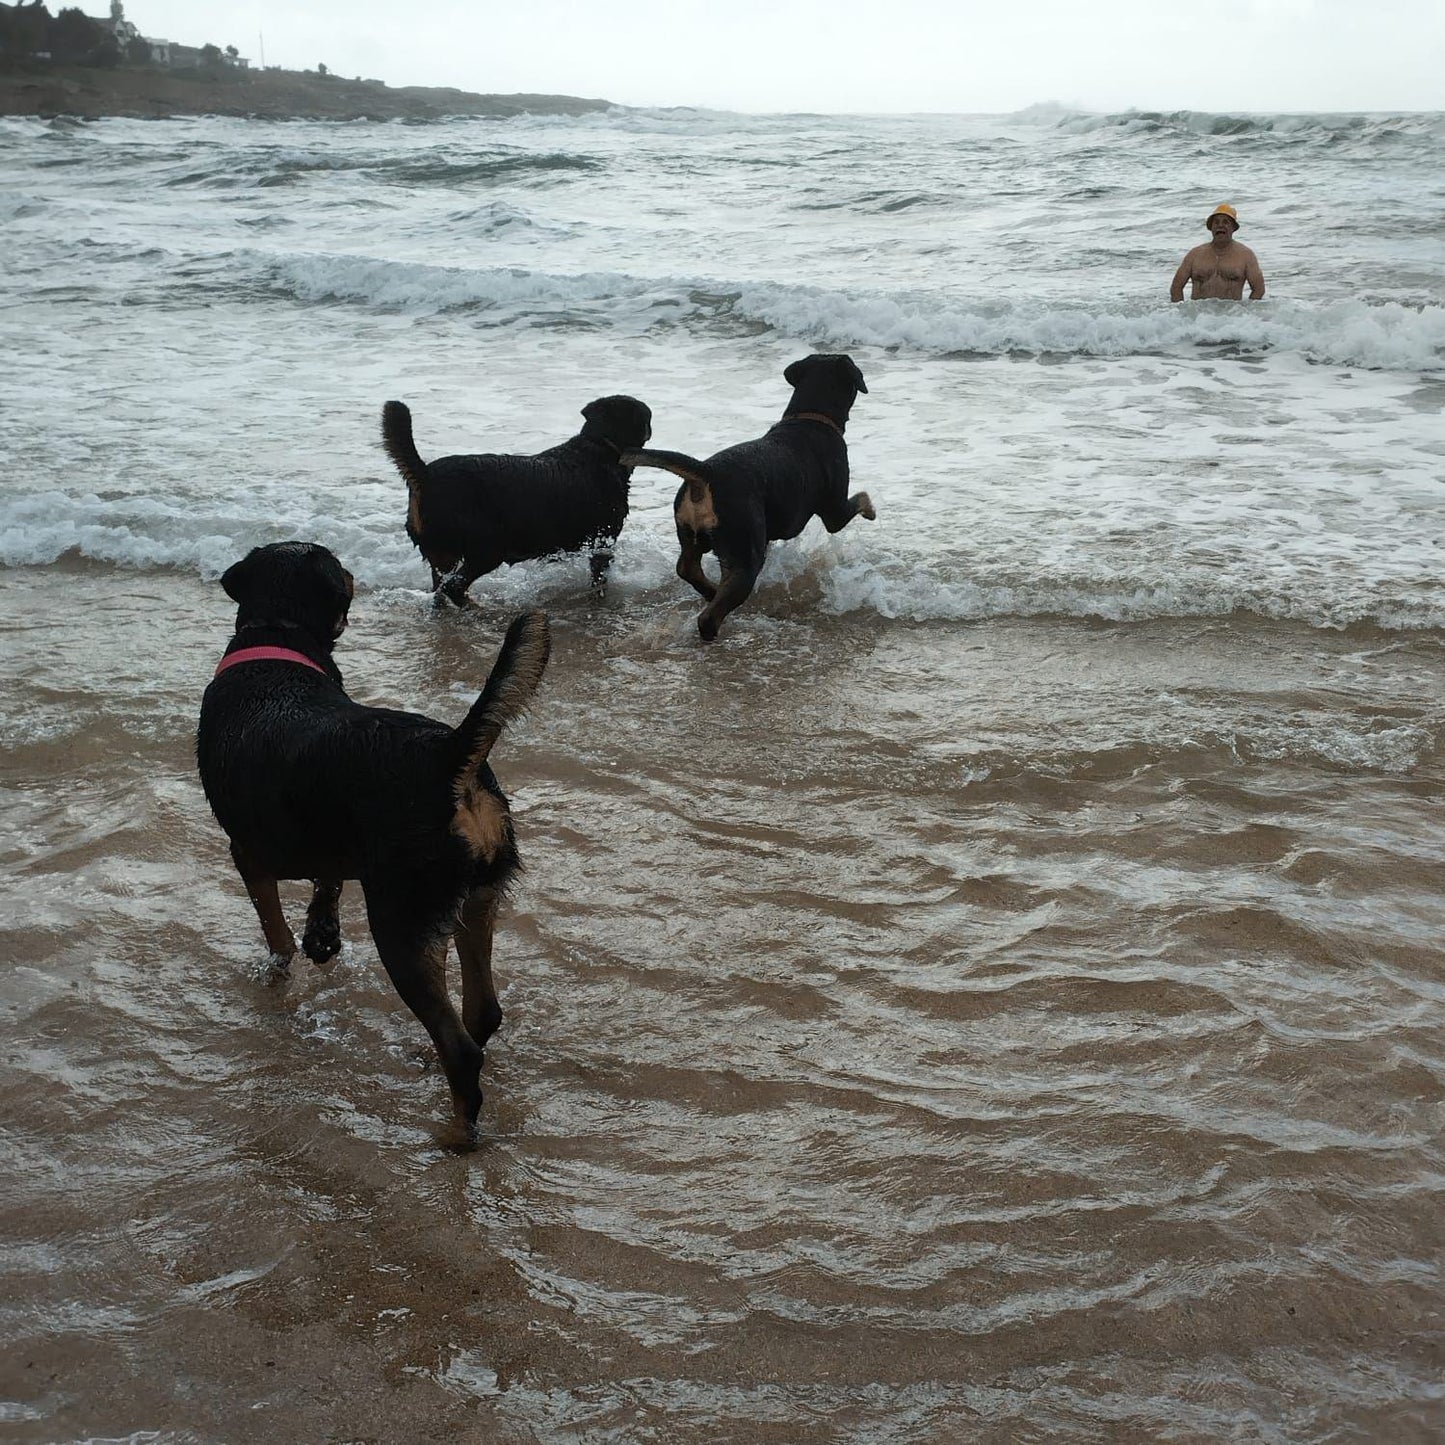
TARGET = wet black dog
x,y
742,498
469,514
308,784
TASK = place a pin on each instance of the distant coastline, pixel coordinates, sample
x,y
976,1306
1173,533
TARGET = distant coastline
x,y
35,88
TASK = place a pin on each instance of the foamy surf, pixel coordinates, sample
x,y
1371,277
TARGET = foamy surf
x,y
861,574
1386,336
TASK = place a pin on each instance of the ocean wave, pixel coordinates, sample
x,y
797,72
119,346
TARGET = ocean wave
x,y
884,202
1386,336
468,171
222,165
923,595
499,216
407,286
818,575
1303,127
1344,333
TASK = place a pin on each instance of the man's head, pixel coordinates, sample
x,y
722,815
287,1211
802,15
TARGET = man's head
x,y
1222,221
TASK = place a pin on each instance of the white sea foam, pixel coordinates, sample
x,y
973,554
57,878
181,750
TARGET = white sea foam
x,y
1188,460
421,288
1343,333
835,577
1347,333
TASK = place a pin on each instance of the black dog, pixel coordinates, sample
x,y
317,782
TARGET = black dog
x,y
309,784
469,514
742,498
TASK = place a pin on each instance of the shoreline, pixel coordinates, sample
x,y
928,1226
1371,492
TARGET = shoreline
x,y
92,93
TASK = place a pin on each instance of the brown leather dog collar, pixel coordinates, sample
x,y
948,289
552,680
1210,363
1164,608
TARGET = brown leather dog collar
x,y
814,416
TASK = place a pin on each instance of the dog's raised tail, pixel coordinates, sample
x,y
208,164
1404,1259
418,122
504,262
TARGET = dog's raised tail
x,y
692,471
515,677
397,439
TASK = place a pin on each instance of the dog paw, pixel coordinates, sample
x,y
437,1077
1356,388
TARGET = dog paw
x,y
273,970
458,1137
865,507
706,628
322,940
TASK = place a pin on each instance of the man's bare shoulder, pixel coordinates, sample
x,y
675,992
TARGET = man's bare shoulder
x,y
1240,246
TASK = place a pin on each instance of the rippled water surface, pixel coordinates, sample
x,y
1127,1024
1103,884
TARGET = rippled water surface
x,y
993,993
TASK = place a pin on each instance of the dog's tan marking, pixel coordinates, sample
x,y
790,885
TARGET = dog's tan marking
x,y
865,507
695,511
413,509
480,821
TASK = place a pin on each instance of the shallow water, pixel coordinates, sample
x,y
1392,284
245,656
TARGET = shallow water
x,y
993,993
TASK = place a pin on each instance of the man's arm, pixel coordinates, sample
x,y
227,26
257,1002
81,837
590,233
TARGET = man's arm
x,y
1176,286
1255,277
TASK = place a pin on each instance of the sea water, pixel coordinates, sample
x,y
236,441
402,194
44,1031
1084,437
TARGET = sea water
x,y
991,993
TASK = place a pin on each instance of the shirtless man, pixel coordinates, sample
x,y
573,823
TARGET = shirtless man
x,y
1219,268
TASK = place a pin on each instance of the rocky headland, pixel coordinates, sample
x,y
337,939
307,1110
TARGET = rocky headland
x,y
91,92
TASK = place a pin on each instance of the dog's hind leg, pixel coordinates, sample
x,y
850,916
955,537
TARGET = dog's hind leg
x,y
858,505
267,903
417,965
481,1013
733,590
322,938
599,561
689,566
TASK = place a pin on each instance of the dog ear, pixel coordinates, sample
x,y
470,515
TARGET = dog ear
x,y
338,625
857,375
794,374
239,578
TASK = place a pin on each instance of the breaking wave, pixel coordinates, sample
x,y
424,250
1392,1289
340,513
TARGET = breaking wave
x,y
1295,129
815,575
1386,336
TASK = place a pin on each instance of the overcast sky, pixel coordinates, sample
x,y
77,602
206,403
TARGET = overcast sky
x,y
855,55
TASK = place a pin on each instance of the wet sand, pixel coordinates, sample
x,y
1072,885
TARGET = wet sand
x,y
1008,1031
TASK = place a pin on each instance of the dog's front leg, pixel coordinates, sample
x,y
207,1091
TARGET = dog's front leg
x,y
267,903
481,1013
322,938
599,562
858,505
452,586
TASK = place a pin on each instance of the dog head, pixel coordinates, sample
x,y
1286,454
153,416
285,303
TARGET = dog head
x,y
623,421
291,584
827,384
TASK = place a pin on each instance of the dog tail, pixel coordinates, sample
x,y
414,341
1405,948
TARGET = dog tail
x,y
515,677
396,438
692,471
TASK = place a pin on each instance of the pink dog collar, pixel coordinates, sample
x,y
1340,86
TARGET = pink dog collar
x,y
266,654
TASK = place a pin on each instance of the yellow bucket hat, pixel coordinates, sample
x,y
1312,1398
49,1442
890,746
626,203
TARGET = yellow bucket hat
x,y
1224,210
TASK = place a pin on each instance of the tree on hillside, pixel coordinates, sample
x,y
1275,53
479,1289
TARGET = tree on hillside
x,y
73,35
138,51
25,28
106,53
211,63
